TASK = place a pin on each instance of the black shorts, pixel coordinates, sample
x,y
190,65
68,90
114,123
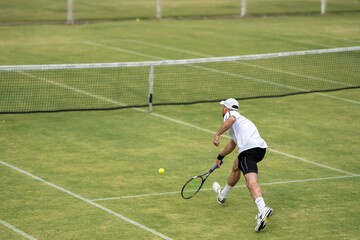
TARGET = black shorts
x,y
248,159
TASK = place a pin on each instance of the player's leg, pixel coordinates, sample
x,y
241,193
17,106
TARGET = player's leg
x,y
255,190
253,185
248,165
235,174
233,179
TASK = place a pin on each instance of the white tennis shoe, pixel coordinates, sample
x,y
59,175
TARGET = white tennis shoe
x,y
217,189
262,218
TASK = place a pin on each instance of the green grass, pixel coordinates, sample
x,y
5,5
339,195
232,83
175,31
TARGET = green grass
x,y
47,44
106,154
84,10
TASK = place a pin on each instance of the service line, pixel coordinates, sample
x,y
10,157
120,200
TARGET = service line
x,y
210,189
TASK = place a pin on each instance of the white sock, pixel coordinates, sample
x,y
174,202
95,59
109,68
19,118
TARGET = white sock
x,y
226,191
260,203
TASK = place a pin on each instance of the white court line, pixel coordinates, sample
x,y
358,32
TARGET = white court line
x,y
297,41
338,98
334,38
15,229
311,162
269,149
139,225
182,122
135,196
123,50
71,88
210,189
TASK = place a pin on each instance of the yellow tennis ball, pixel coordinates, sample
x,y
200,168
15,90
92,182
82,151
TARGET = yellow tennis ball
x,y
138,19
161,170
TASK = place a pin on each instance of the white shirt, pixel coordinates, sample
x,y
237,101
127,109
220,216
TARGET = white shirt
x,y
244,132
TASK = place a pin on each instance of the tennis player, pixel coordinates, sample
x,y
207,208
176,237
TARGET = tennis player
x,y
252,149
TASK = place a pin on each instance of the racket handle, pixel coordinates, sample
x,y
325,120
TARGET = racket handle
x,y
214,167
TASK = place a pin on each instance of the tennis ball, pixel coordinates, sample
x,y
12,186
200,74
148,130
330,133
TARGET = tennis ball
x,y
138,19
161,170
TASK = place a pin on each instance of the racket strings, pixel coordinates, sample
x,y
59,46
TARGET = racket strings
x,y
192,187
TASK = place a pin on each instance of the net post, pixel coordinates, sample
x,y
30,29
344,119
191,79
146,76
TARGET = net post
x,y
158,9
323,7
151,86
243,8
70,16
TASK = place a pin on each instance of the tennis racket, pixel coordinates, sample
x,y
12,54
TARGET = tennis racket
x,y
194,184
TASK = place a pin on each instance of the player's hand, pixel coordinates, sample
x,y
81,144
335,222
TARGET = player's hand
x,y
216,141
219,163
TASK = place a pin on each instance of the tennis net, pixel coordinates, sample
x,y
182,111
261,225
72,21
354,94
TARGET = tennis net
x,y
104,86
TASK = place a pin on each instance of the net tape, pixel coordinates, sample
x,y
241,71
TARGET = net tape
x,y
177,62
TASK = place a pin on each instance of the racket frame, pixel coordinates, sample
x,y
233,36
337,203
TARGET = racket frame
x,y
203,177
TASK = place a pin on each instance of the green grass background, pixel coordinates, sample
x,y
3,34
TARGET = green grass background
x,y
83,10
104,154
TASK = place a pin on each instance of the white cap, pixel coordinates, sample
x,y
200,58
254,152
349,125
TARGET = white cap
x,y
231,104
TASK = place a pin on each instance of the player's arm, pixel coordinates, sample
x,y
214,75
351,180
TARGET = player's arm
x,y
224,127
230,146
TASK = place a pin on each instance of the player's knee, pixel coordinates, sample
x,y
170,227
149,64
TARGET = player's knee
x,y
252,183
